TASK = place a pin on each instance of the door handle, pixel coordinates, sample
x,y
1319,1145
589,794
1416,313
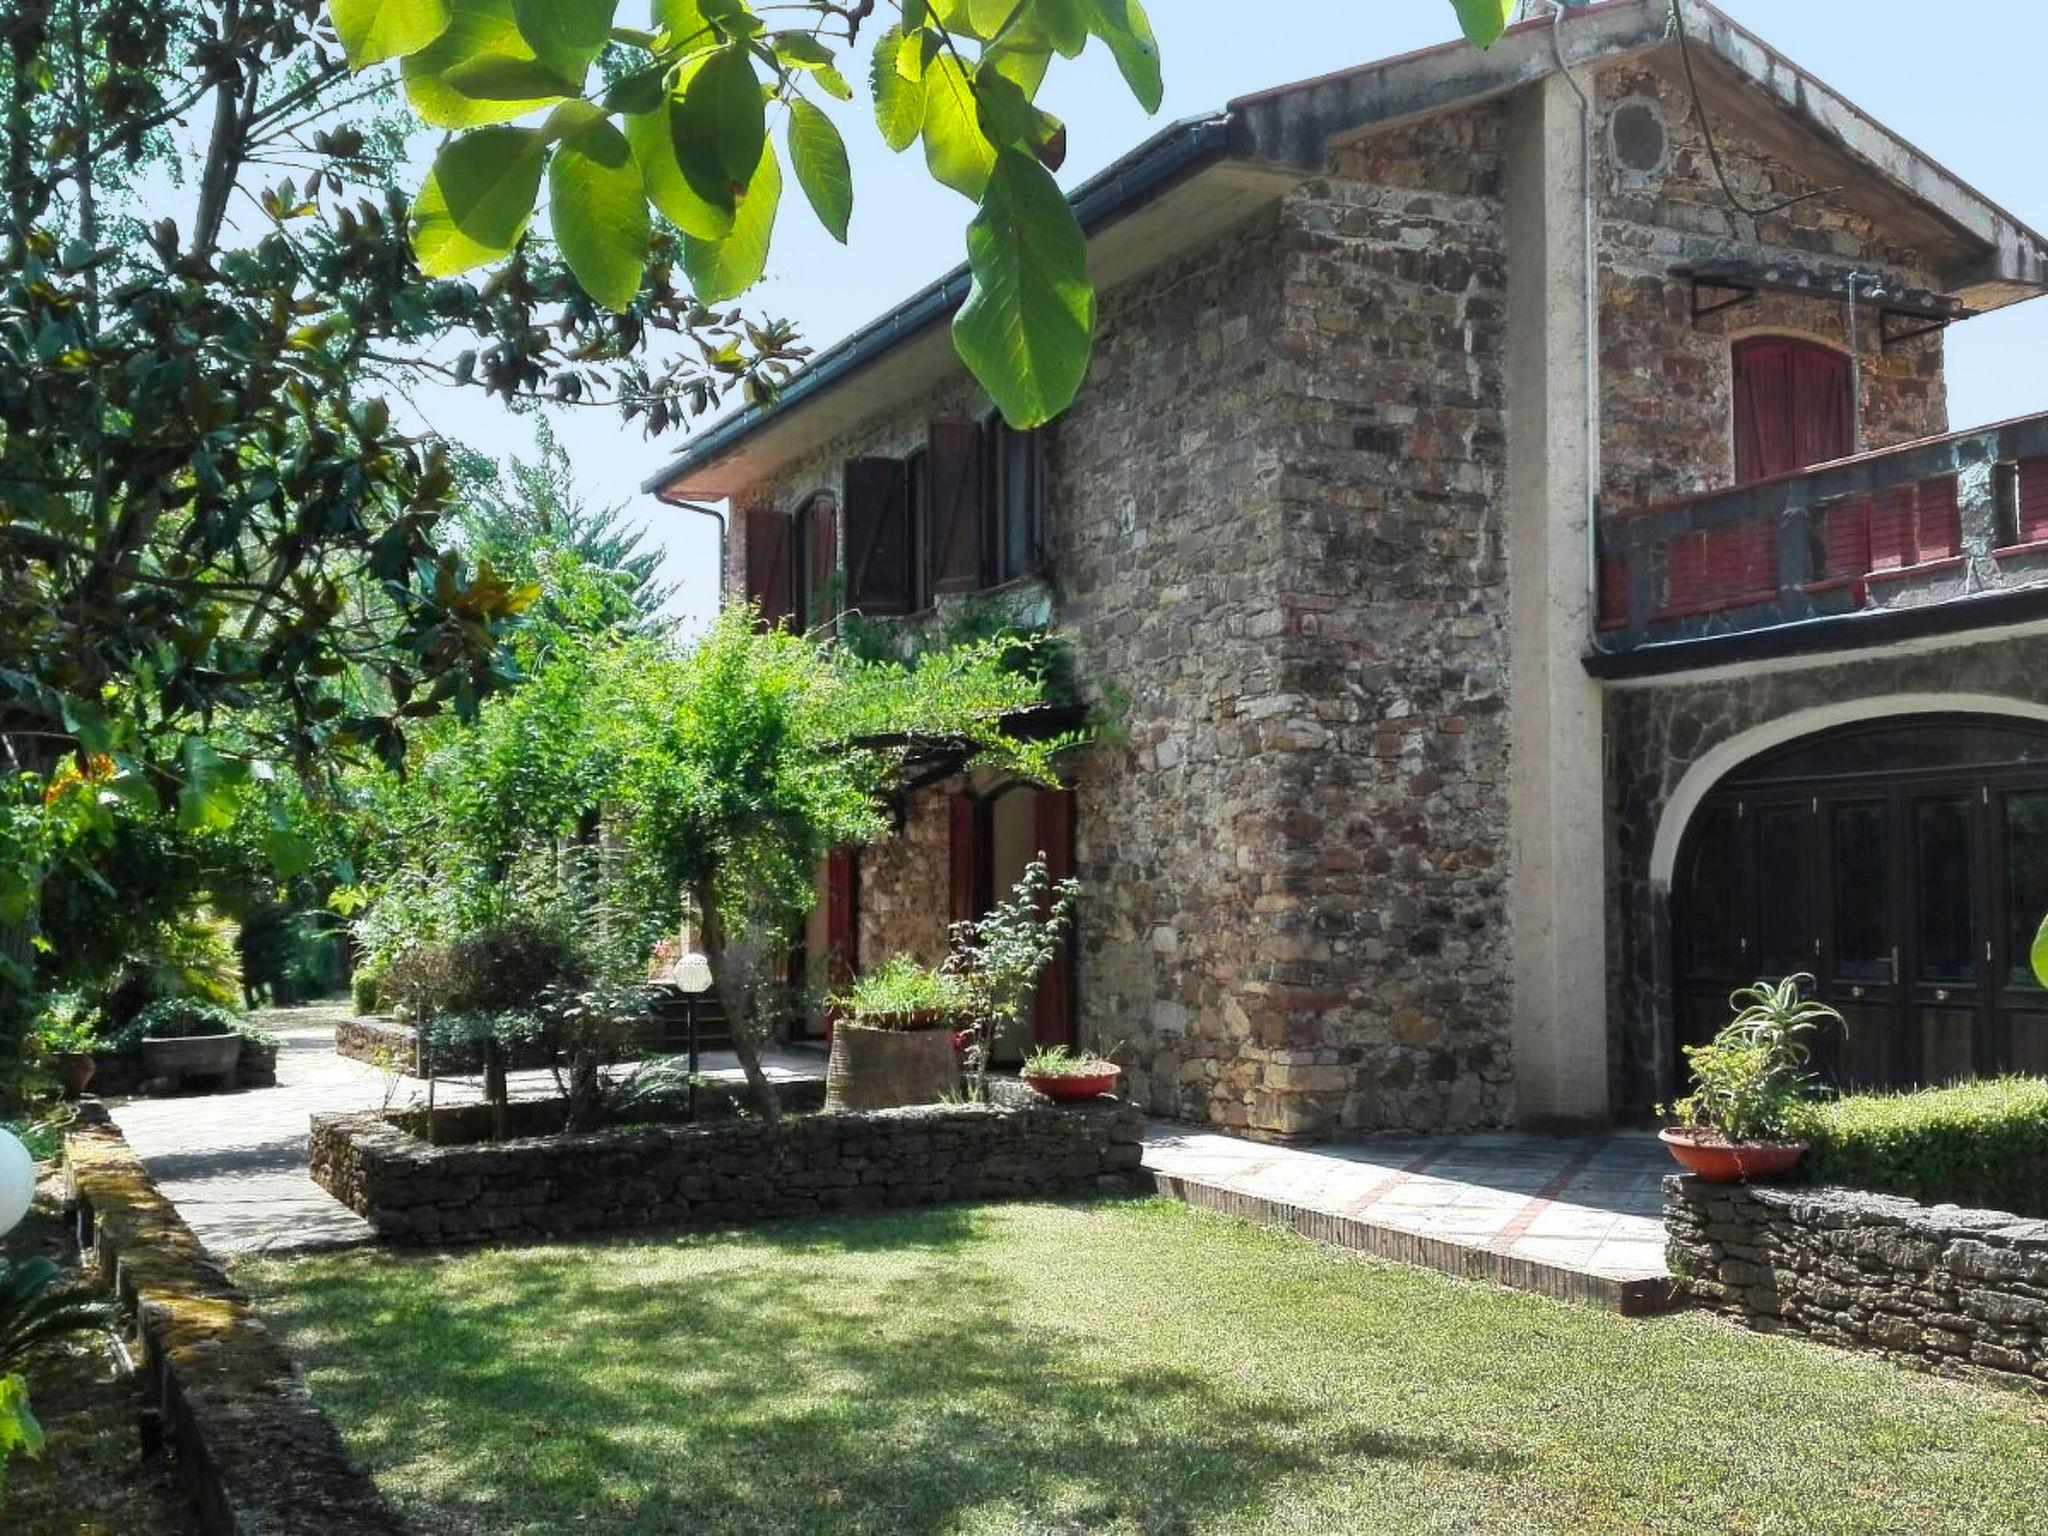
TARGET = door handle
x,y
1941,994
1856,992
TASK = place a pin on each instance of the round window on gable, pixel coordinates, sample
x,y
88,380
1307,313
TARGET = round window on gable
x,y
1640,142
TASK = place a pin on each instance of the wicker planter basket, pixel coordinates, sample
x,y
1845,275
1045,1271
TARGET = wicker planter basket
x,y
885,1068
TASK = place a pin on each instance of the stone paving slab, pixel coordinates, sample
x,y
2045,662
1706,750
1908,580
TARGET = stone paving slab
x,y
1578,1218
234,1164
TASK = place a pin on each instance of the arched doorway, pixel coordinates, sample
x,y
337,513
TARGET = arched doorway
x,y
1902,862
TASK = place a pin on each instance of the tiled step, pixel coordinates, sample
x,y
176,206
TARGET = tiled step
x,y
1570,1218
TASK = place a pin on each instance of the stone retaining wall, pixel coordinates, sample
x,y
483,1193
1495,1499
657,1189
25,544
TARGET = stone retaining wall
x,y
1936,1286
670,1176
257,1455
383,1043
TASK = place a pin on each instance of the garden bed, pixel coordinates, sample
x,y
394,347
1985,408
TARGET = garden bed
x,y
122,1074
461,1125
411,1191
1934,1286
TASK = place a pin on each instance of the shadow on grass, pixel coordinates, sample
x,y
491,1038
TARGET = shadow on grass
x,y
867,1375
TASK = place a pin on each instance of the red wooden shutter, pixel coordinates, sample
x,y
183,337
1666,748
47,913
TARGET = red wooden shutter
x,y
769,568
1053,811
964,858
842,916
959,505
2032,521
879,574
1792,407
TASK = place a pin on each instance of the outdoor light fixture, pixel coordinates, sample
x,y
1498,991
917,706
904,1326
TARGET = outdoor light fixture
x,y
17,1181
692,974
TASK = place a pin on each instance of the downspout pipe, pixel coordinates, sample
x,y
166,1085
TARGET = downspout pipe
x,y
1590,301
683,505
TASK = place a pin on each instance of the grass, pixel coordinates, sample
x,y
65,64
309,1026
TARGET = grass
x,y
1118,1367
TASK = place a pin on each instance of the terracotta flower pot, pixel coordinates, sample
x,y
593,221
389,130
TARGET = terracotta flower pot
x,y
1068,1087
1731,1162
75,1070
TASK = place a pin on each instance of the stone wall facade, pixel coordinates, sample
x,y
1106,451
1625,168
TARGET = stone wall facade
x,y
1933,1286
679,1176
1659,733
1666,380
1278,547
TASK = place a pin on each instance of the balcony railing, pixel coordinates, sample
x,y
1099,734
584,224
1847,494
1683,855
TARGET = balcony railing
x,y
1928,522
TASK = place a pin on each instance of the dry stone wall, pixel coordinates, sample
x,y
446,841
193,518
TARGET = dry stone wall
x,y
1934,1286
674,1176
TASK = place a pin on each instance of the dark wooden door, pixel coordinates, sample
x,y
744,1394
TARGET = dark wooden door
x,y
1912,894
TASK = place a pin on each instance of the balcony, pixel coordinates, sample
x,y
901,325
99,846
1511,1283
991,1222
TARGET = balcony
x,y
1943,534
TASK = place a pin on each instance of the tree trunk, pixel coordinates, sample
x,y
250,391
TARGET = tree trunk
x,y
731,968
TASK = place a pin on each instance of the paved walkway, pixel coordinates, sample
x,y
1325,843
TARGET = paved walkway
x,y
235,1163
1573,1217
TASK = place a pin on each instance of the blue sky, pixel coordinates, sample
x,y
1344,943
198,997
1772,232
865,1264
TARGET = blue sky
x,y
1953,79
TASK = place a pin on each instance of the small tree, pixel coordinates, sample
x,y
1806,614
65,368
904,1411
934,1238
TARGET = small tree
x,y
756,753
999,956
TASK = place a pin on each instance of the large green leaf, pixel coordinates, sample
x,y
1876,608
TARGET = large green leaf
x,y
598,208
671,192
956,151
1029,319
1064,23
720,124
1483,21
899,97
1124,26
19,1430
478,29
496,77
568,34
818,156
2041,954
725,269
373,30
477,199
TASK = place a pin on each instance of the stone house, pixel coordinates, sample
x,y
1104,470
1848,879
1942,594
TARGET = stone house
x,y
1535,585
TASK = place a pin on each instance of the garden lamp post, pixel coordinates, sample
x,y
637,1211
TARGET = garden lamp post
x,y
692,977
17,1181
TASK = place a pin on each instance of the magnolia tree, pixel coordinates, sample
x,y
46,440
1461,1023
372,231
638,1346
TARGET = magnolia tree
x,y
668,115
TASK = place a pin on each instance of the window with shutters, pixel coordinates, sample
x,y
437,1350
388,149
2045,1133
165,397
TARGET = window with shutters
x,y
1792,407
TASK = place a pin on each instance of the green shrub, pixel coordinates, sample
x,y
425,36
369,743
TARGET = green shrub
x,y
176,1017
366,988
1981,1144
898,989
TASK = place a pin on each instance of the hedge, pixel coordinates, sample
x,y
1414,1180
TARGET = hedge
x,y
1981,1144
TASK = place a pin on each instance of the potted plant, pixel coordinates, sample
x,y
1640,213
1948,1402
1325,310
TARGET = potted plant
x,y
1750,1082
997,960
894,1042
1066,1075
68,1033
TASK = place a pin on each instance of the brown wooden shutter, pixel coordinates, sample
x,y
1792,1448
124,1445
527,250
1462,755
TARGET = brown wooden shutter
x,y
880,578
1053,811
959,492
842,916
770,572
964,861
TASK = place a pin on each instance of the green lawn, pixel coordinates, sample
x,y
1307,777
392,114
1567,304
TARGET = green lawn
x,y
1119,1366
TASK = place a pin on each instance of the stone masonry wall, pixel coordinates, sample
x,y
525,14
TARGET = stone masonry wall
x,y
1381,997
1667,384
671,1176
1933,1286
1656,733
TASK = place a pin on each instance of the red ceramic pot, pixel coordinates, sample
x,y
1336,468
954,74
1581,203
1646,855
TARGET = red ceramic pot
x,y
1069,1087
1731,1162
